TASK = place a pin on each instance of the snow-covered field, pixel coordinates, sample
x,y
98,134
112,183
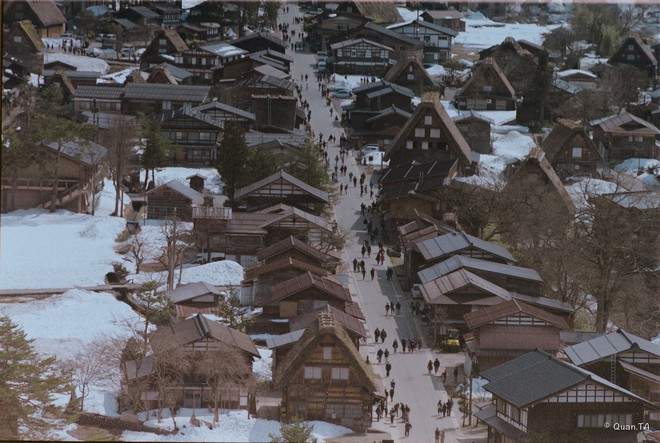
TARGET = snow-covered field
x,y
235,426
39,249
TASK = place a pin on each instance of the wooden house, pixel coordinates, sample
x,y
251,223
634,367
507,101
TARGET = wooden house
x,y
257,84
141,15
159,98
168,14
403,46
537,392
416,187
362,57
23,43
512,278
625,359
410,73
172,199
325,378
379,12
192,337
201,60
130,31
168,74
450,18
570,150
81,171
517,63
423,227
282,187
635,52
99,103
379,95
436,39
475,128
586,80
376,127
225,114
46,17
622,136
331,27
194,298
293,248
241,235
430,134
258,41
507,330
162,49
487,89
274,113
273,58
192,136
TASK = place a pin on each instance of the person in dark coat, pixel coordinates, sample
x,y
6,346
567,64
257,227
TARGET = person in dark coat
x,y
383,336
364,249
388,368
403,345
395,345
408,428
392,413
436,365
429,366
377,334
440,404
362,265
389,273
387,355
398,307
392,394
355,265
455,374
379,354
364,274
387,308
373,273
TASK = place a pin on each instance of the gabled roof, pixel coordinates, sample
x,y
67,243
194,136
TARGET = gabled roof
x,y
479,71
392,110
459,261
195,197
192,290
455,242
151,91
46,11
171,35
563,132
439,15
422,225
537,375
472,114
99,92
374,87
509,42
145,12
426,107
289,243
417,171
351,42
160,71
637,41
215,104
350,323
304,282
425,24
83,151
28,30
256,35
324,325
177,72
285,264
490,314
189,112
378,11
402,65
125,23
608,345
389,33
625,123
276,341
223,49
175,335
256,138
437,291
285,211
271,71
285,177
537,158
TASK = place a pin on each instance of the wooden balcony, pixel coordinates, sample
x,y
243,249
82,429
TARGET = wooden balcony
x,y
211,212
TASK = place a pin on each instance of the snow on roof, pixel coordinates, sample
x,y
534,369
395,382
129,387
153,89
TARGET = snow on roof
x,y
164,175
82,63
481,32
570,72
219,273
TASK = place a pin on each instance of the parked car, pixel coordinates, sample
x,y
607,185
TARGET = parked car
x,y
342,93
369,148
321,65
416,291
67,34
202,258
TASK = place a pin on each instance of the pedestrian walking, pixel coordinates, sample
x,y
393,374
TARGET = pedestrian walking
x,y
388,368
363,250
455,374
429,366
392,384
436,365
377,334
364,274
444,409
350,176
389,273
354,182
355,265
392,394
395,345
419,343
387,355
398,307
379,411
387,308
392,413
440,406
383,335
379,354
411,345
444,376
408,428
368,250
437,435
373,273
403,345
450,404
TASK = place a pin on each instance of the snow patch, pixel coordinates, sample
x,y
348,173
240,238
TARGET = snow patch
x,y
220,273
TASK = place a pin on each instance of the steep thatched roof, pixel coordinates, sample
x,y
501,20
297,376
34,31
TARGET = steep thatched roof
x,y
326,325
378,11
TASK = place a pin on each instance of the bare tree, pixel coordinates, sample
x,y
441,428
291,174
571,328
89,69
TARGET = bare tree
x,y
177,240
168,372
140,249
120,137
87,368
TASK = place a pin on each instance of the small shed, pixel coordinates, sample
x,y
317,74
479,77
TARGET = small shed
x,y
172,199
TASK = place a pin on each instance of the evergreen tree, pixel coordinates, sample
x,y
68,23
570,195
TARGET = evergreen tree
x,y
26,381
232,159
231,312
155,147
295,432
17,155
307,165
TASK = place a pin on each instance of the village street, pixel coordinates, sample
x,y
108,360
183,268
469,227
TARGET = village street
x,y
414,386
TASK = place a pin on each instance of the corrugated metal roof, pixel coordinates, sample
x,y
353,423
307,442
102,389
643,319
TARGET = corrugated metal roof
x,y
458,281
215,104
305,281
195,197
281,175
616,123
608,345
275,341
351,42
452,243
537,375
459,261
81,150
423,23
99,92
190,291
152,91
223,49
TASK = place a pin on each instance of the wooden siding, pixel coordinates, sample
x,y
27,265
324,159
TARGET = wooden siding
x,y
518,337
162,203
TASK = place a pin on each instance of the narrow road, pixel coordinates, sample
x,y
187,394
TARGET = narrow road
x,y
414,386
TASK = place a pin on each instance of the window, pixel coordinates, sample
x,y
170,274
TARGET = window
x,y
313,372
630,57
631,47
327,353
425,146
435,133
428,120
409,144
639,138
167,104
383,54
360,54
577,152
353,53
598,420
402,48
340,373
85,105
488,88
367,54
338,52
410,77
162,42
419,132
193,136
180,135
427,39
205,136
18,39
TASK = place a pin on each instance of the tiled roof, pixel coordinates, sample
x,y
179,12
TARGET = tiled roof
x,y
215,104
459,261
182,93
281,175
288,243
84,151
195,197
99,92
491,313
351,42
607,345
423,23
306,281
186,292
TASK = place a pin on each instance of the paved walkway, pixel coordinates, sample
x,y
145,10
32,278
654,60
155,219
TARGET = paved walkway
x,y
414,386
